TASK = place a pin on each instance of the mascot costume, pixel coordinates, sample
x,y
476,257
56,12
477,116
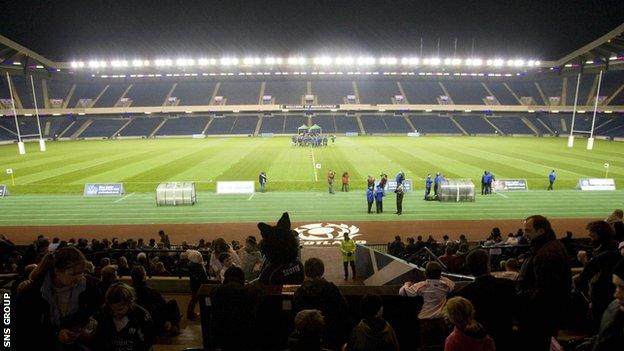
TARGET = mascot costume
x,y
280,249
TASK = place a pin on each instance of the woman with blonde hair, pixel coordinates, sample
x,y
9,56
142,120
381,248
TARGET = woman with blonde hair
x,y
467,334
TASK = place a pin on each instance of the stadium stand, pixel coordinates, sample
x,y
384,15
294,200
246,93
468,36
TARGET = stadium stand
x,y
286,92
86,90
73,127
502,94
511,125
194,93
373,124
466,93
183,126
428,124
526,89
103,127
149,94
346,124
57,89
272,124
552,87
220,125
377,92
326,122
112,94
293,122
141,126
422,92
584,88
332,92
24,91
244,124
240,93
474,124
538,123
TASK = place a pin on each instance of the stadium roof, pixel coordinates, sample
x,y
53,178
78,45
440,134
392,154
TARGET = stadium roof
x,y
12,53
77,29
607,48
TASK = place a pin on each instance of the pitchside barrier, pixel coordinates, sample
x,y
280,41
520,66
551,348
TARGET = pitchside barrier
x,y
103,189
510,185
176,193
234,187
593,184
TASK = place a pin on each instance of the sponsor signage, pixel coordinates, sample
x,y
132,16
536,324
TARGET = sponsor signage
x,y
232,187
103,189
392,185
310,107
327,234
510,185
592,184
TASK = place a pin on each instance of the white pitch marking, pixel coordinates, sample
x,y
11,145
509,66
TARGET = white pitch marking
x,y
125,197
314,165
251,196
497,193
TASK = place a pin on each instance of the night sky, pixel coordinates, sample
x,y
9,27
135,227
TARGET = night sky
x,y
67,30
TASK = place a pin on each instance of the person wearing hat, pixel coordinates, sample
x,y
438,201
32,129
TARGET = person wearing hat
x,y
611,334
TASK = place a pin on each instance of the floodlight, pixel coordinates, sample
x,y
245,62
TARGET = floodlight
x,y
203,62
537,63
510,62
388,61
518,63
137,63
456,62
498,62
530,63
269,60
248,61
404,61
589,62
477,62
322,60
94,64
435,61
447,61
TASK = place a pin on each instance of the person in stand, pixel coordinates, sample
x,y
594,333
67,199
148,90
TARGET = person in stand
x,y
370,198
347,248
330,181
400,191
428,183
552,176
467,333
379,194
345,181
262,180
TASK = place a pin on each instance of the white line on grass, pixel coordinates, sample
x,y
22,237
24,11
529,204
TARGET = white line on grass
x,y
251,196
123,198
314,165
505,196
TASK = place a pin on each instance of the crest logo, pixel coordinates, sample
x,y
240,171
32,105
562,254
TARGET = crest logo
x,y
326,233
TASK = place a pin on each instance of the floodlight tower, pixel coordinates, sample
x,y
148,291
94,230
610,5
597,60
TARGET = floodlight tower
x,y
20,144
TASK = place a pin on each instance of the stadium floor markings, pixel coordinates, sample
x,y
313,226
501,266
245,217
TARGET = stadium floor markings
x,y
123,198
500,194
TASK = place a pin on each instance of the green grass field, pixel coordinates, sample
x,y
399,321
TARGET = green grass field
x,y
49,185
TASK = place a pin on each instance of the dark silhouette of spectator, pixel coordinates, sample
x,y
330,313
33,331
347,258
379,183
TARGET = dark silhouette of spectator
x,y
611,334
197,277
616,220
251,259
316,293
569,245
468,334
545,281
396,248
595,279
233,324
165,314
410,248
450,259
493,299
108,277
57,303
373,332
122,324
309,328
123,269
164,239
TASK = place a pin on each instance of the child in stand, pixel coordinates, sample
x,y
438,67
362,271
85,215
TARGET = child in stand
x,y
467,334
226,262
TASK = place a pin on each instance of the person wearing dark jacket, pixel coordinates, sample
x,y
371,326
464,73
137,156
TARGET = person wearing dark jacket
x,y
57,303
545,281
400,192
165,314
373,332
370,198
316,293
611,334
428,183
122,324
595,279
493,299
379,194
309,327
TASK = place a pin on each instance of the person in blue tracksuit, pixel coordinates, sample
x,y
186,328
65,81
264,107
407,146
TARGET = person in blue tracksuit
x,y
400,177
428,183
483,183
379,194
487,179
551,178
436,183
370,197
